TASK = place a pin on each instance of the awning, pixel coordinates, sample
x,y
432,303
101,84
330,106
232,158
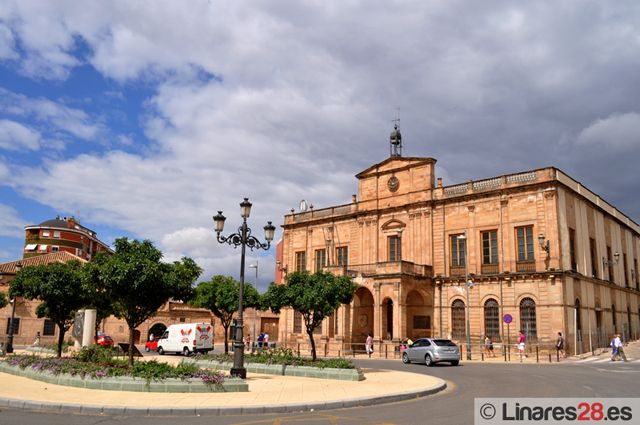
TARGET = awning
x,y
31,247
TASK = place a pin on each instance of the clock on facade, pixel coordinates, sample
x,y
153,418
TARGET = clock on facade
x,y
393,183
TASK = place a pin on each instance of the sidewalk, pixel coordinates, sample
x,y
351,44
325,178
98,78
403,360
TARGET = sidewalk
x,y
267,394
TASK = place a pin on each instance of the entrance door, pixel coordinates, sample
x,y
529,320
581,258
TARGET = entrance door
x,y
270,326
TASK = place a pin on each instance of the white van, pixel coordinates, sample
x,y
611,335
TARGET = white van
x,y
186,338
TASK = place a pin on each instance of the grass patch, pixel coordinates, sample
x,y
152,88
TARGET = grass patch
x,y
280,356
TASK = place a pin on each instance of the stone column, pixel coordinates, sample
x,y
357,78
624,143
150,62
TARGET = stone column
x,y
89,327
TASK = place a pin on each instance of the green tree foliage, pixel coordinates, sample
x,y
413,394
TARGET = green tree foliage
x,y
59,287
3,300
316,296
138,283
221,295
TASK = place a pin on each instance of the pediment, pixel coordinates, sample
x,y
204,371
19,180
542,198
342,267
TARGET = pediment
x,y
393,164
392,225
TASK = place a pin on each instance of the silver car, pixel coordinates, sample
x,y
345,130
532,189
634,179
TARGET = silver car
x,y
432,350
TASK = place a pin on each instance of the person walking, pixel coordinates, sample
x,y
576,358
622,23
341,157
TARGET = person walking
x,y
36,343
522,345
613,348
488,346
368,345
560,346
619,349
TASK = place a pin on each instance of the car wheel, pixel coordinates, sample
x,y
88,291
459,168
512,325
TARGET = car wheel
x,y
405,358
186,352
146,349
428,360
455,363
160,351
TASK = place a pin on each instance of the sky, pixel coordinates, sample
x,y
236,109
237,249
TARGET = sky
x,y
143,119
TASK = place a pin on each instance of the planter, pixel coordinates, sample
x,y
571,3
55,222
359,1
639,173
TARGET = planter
x,y
286,370
126,383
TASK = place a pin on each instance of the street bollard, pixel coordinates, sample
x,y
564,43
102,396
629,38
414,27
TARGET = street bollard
x,y
549,357
386,356
537,359
504,350
482,353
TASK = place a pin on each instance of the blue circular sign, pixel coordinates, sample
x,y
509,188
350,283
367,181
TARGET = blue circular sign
x,y
507,318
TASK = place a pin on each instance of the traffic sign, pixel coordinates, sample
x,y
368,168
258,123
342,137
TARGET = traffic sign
x,y
507,318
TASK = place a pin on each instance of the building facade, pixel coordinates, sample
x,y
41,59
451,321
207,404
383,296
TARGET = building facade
x,y
536,245
62,234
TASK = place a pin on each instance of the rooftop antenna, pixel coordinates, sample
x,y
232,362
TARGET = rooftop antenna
x,y
395,139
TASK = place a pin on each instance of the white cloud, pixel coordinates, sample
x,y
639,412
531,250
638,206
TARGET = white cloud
x,y
11,224
15,136
7,43
618,131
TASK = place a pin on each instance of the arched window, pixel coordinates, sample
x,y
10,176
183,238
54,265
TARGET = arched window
x,y
491,319
578,320
613,316
528,317
458,320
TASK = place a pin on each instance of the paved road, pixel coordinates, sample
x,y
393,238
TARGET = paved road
x,y
454,406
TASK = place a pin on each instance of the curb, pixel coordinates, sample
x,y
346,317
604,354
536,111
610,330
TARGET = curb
x,y
94,409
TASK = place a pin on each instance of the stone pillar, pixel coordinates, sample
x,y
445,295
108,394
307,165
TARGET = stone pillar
x,y
377,313
88,327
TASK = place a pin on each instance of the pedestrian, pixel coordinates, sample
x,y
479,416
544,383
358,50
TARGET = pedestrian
x,y
619,350
521,345
260,339
36,343
560,345
613,348
488,346
409,342
248,343
265,340
151,337
368,345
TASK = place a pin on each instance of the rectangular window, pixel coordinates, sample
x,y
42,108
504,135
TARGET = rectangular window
x,y
55,248
458,250
421,322
56,234
393,248
45,233
594,263
16,325
524,236
301,261
490,247
572,249
321,259
49,328
42,248
297,322
626,271
342,254
610,263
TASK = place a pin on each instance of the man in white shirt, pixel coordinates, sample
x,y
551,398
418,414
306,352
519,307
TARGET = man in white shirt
x,y
266,340
619,350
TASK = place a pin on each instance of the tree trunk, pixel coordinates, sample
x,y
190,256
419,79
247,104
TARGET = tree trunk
x,y
131,346
313,345
60,338
226,340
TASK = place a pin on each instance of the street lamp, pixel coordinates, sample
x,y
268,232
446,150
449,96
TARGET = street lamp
x,y
9,348
255,310
463,238
242,239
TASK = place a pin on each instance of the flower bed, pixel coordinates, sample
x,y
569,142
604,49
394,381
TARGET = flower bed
x,y
117,375
281,356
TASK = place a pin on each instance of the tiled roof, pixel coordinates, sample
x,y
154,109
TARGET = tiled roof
x,y
39,260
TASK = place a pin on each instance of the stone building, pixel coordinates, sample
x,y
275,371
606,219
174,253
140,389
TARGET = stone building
x,y
536,245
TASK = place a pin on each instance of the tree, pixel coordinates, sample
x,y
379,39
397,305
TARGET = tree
x,y
59,287
3,300
138,283
221,295
315,296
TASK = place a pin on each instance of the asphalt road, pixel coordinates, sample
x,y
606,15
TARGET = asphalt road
x,y
451,407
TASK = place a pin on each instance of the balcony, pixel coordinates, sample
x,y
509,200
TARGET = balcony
x,y
526,266
489,269
456,271
383,268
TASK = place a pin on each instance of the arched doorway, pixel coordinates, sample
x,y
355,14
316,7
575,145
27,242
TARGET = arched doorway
x,y
458,329
156,330
387,319
417,318
362,323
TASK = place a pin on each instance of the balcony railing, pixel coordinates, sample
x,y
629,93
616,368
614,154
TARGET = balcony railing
x,y
456,270
489,269
382,268
526,266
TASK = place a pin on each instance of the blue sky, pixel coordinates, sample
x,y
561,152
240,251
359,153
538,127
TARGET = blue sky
x,y
145,118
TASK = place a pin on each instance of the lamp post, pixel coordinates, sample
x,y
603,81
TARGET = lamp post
x,y
463,238
255,310
242,239
9,348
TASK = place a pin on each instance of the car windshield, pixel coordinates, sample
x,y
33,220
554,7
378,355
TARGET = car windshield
x,y
444,343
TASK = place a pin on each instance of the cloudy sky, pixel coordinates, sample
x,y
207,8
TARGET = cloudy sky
x,y
145,118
